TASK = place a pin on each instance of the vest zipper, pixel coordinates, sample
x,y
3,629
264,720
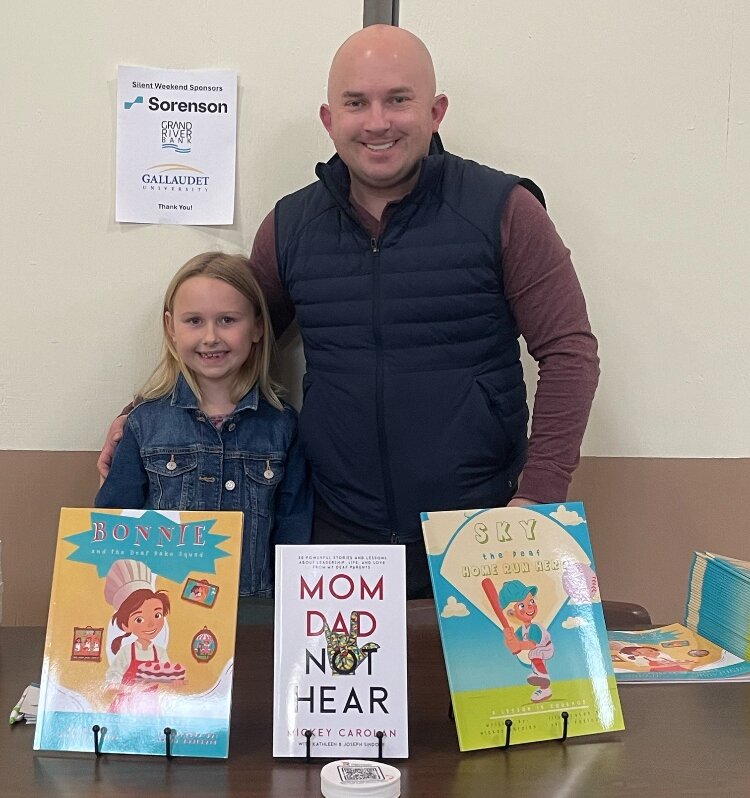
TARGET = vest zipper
x,y
377,328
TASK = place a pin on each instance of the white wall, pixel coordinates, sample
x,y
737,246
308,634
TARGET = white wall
x,y
80,293
633,117
635,120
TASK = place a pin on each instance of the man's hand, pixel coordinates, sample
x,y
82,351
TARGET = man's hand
x,y
519,502
114,436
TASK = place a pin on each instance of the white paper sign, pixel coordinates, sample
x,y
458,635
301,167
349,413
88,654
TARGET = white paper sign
x,y
176,145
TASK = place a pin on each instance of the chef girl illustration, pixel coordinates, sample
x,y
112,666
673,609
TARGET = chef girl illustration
x,y
140,612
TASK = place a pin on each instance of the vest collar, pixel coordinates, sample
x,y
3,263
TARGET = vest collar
x,y
334,174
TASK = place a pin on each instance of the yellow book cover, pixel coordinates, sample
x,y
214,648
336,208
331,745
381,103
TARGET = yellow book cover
x,y
141,632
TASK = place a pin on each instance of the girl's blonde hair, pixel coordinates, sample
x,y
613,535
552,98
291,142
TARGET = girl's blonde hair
x,y
235,271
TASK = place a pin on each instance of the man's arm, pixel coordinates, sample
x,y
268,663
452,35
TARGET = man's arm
x,y
293,500
547,302
265,267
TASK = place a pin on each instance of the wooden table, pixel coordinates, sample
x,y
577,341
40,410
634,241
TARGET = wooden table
x,y
684,740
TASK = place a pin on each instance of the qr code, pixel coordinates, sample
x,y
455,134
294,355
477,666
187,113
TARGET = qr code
x,y
360,773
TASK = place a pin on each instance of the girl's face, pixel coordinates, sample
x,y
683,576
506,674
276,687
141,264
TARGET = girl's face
x,y
214,328
147,621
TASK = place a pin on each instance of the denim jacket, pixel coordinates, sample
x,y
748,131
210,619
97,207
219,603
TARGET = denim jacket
x,y
171,457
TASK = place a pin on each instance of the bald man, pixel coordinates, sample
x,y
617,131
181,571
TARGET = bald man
x,y
411,273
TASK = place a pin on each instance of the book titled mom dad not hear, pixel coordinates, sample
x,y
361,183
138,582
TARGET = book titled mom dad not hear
x,y
141,632
521,624
340,652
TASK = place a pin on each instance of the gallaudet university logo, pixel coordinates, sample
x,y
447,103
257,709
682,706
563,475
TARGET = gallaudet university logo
x,y
174,177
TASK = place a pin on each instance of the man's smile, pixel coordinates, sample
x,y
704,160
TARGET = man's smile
x,y
380,147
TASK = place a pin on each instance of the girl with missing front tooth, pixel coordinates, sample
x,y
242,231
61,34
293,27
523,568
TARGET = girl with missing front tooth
x,y
211,433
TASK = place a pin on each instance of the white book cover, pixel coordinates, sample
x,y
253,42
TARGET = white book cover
x,y
340,652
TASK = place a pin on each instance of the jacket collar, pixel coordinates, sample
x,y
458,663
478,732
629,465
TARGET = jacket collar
x,y
334,174
183,396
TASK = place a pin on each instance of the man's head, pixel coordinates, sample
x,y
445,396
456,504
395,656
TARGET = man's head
x,y
382,109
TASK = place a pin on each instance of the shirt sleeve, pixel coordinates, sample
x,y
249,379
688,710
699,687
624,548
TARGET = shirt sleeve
x,y
265,267
535,634
549,308
126,486
119,665
293,499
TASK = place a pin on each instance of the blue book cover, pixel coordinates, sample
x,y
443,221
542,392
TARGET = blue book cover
x,y
521,624
141,632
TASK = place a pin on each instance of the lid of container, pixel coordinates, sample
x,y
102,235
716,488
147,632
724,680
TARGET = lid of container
x,y
360,777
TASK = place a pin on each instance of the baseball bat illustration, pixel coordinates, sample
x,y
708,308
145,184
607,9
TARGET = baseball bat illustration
x,y
491,594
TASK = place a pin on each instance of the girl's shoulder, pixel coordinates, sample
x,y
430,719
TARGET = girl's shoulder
x,y
145,407
286,413
153,415
284,420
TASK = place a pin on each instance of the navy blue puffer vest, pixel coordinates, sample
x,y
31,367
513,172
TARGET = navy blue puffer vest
x,y
414,397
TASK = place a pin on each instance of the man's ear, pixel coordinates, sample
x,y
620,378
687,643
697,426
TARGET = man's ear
x,y
510,612
439,107
325,117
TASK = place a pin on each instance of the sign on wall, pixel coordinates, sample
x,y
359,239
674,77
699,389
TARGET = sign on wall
x,y
176,145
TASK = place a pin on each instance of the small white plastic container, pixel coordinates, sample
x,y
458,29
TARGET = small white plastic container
x,y
346,778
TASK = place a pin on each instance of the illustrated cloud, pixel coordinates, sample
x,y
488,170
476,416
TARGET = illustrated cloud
x,y
572,621
567,517
454,609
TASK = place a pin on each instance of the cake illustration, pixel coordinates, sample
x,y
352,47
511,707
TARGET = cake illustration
x,y
160,672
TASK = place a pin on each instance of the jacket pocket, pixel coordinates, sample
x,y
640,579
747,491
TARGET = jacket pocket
x,y
262,475
509,412
172,479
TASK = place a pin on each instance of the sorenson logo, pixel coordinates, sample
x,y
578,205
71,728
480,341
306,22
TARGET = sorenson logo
x,y
155,104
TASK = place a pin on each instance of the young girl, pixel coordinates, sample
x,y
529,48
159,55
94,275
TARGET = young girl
x,y
212,434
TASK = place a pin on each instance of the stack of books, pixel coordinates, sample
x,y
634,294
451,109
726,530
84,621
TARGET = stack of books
x,y
718,603
27,706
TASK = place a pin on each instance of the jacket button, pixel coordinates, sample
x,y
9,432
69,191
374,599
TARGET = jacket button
x,y
231,427
230,485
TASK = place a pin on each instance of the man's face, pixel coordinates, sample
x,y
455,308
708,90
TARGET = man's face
x,y
381,115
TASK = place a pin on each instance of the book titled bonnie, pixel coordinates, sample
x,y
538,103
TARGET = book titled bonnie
x,y
141,632
340,652
521,624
